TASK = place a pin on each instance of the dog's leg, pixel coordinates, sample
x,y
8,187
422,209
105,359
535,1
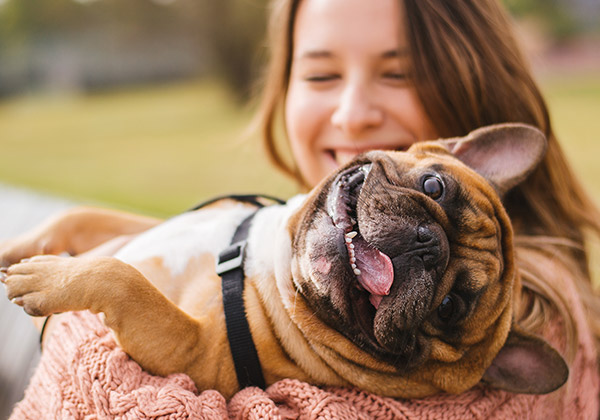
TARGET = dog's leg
x,y
74,231
152,330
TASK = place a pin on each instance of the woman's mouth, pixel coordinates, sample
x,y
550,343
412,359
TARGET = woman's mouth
x,y
340,157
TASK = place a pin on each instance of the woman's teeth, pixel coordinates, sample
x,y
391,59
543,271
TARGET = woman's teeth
x,y
343,157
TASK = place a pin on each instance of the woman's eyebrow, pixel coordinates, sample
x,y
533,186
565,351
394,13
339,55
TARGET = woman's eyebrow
x,y
316,54
396,53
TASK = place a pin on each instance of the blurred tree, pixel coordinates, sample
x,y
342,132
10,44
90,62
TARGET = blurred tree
x,y
225,34
559,18
236,28
223,37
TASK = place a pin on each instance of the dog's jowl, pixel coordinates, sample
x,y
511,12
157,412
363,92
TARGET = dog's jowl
x,y
396,275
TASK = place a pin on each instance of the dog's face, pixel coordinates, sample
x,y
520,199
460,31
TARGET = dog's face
x,y
409,255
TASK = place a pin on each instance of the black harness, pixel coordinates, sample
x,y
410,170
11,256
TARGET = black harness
x,y
230,267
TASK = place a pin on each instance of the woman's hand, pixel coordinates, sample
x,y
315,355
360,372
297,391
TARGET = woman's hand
x,y
74,232
48,238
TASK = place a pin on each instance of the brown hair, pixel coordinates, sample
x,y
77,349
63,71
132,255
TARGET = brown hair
x,y
468,72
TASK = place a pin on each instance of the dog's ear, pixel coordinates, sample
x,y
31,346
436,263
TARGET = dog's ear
x,y
528,365
504,153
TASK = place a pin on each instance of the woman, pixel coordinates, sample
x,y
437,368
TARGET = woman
x,y
348,76
351,79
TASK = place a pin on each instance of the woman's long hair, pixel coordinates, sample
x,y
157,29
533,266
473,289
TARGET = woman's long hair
x,y
468,71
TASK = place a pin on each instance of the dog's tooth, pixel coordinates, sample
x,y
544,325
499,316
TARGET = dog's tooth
x,y
353,221
351,245
351,235
352,259
348,240
357,271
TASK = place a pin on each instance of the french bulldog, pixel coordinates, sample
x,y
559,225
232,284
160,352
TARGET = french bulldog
x,y
395,275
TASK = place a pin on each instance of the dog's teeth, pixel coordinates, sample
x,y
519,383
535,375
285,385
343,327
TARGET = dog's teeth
x,y
352,221
351,253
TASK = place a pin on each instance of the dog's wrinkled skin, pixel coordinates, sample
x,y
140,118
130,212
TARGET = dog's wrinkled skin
x,y
431,309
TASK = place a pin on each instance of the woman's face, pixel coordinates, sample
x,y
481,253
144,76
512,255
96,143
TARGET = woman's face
x,y
348,91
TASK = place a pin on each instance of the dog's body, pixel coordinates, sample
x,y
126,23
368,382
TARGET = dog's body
x,y
395,275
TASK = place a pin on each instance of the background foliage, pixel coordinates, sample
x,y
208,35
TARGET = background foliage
x,y
142,104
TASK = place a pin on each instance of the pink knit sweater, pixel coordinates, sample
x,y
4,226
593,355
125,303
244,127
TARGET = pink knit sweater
x,y
83,374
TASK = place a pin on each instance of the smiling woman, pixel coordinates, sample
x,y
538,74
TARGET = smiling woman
x,y
349,76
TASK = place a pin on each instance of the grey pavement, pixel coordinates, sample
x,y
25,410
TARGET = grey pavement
x,y
20,210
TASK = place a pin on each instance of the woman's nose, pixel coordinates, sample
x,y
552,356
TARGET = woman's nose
x,y
356,112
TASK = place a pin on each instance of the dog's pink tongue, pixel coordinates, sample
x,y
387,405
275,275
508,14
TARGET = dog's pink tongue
x,y
376,270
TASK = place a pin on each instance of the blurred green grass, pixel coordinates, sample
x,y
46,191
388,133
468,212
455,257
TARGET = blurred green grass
x,y
575,110
156,150
160,149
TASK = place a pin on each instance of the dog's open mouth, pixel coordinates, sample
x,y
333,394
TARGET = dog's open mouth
x,y
373,269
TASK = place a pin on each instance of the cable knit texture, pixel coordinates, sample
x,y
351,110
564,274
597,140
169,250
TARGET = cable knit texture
x,y
83,374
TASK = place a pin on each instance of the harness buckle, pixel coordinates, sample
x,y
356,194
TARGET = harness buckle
x,y
231,257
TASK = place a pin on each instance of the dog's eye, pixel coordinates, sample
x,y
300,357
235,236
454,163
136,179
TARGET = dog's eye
x,y
433,187
447,308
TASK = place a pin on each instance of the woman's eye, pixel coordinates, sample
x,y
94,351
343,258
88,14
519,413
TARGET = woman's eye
x,y
433,187
395,76
319,78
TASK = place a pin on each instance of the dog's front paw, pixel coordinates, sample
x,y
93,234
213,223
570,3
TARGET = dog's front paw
x,y
44,284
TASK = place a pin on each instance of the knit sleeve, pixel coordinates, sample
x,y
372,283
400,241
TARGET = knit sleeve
x,y
84,374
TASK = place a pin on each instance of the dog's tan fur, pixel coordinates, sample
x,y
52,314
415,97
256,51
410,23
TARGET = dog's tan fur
x,y
168,315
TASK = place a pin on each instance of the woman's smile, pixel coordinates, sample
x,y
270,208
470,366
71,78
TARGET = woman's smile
x,y
341,155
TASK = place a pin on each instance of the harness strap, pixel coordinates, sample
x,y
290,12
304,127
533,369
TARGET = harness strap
x,y
230,267
244,198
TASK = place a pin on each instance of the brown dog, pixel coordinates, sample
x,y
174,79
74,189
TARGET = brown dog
x,y
395,275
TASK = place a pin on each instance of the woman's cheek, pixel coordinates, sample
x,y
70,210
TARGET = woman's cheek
x,y
304,116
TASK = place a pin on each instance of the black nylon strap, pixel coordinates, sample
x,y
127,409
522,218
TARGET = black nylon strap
x,y
230,268
244,198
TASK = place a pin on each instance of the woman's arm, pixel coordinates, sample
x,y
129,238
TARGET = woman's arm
x,y
74,231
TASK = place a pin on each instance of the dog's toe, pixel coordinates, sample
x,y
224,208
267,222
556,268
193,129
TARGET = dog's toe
x,y
18,286
35,304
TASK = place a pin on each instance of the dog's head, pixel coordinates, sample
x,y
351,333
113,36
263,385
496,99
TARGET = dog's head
x,y
408,257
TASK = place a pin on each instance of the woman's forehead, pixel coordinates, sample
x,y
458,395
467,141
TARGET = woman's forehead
x,y
324,26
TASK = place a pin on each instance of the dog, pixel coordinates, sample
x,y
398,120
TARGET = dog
x,y
395,275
